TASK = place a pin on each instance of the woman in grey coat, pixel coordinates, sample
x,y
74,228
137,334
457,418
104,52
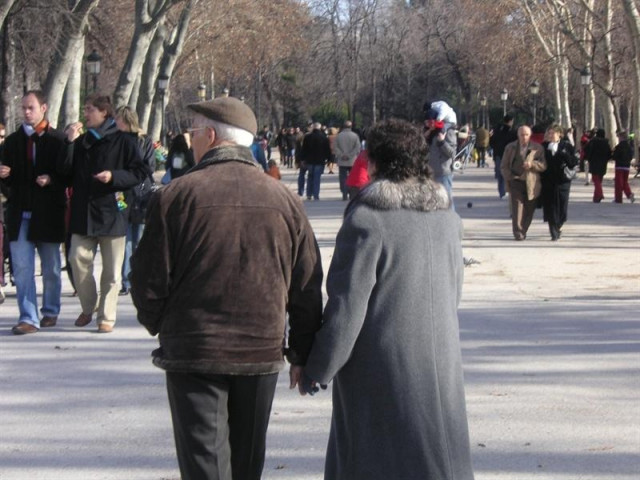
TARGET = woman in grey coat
x,y
390,338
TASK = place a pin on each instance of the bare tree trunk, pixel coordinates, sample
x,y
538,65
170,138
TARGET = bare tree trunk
x,y
149,74
70,111
171,53
149,13
8,114
62,62
5,6
632,17
610,120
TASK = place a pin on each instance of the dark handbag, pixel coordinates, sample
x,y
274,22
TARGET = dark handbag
x,y
141,195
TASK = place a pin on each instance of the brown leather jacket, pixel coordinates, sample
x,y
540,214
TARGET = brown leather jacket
x,y
227,252
535,155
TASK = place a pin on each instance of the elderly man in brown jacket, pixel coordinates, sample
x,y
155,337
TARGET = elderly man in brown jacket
x,y
227,252
522,163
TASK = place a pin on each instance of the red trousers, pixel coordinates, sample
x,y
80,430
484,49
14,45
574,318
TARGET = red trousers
x,y
622,184
597,187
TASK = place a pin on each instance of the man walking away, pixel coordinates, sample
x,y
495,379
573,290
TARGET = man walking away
x,y
499,140
316,152
347,148
216,272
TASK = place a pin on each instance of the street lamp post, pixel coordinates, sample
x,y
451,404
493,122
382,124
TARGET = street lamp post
x,y
483,105
202,92
163,83
504,95
93,67
585,80
534,88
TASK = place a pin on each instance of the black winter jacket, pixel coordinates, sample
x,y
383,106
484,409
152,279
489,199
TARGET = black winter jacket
x,y
46,204
94,206
315,148
598,152
623,154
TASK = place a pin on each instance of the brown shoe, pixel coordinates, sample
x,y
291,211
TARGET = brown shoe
x,y
83,320
105,328
48,322
23,328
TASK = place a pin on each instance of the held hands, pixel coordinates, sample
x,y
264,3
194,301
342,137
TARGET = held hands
x,y
4,171
43,180
304,382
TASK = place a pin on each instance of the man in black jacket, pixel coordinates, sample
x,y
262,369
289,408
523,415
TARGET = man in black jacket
x,y
227,252
35,219
102,165
499,140
316,152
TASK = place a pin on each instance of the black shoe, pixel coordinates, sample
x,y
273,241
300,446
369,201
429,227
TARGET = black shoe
x,y
124,291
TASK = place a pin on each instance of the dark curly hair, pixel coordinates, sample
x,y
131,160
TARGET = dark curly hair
x,y
399,151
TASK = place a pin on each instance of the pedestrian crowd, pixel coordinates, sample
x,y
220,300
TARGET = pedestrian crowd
x,y
224,268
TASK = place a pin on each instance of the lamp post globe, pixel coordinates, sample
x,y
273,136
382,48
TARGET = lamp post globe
x,y
202,92
585,80
534,88
504,95
163,83
94,64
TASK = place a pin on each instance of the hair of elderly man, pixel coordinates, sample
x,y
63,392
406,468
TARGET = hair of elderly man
x,y
229,133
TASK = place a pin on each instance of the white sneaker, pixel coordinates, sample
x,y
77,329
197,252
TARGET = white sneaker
x,y
1,295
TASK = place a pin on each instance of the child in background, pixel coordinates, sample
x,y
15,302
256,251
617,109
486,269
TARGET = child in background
x,y
273,170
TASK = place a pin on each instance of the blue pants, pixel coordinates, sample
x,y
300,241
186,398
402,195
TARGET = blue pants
x,y
134,234
447,181
313,181
23,258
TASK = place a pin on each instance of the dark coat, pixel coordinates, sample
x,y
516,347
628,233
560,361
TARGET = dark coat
x,y
502,137
623,154
390,339
598,153
555,186
47,204
227,251
94,208
141,193
316,149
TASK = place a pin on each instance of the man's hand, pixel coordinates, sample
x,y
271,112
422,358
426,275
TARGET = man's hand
x,y
73,131
104,176
295,378
4,171
441,136
43,180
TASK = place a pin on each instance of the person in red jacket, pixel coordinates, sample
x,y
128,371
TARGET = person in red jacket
x,y
359,175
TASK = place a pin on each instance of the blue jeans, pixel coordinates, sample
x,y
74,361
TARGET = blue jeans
x,y
134,234
301,175
313,181
23,259
497,160
447,181
343,173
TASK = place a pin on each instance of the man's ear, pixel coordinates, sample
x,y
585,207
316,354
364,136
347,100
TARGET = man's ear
x,y
211,136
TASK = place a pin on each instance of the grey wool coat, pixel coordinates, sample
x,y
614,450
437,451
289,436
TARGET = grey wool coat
x,y
390,339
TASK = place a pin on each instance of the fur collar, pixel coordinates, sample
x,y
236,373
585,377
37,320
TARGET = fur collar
x,y
410,195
